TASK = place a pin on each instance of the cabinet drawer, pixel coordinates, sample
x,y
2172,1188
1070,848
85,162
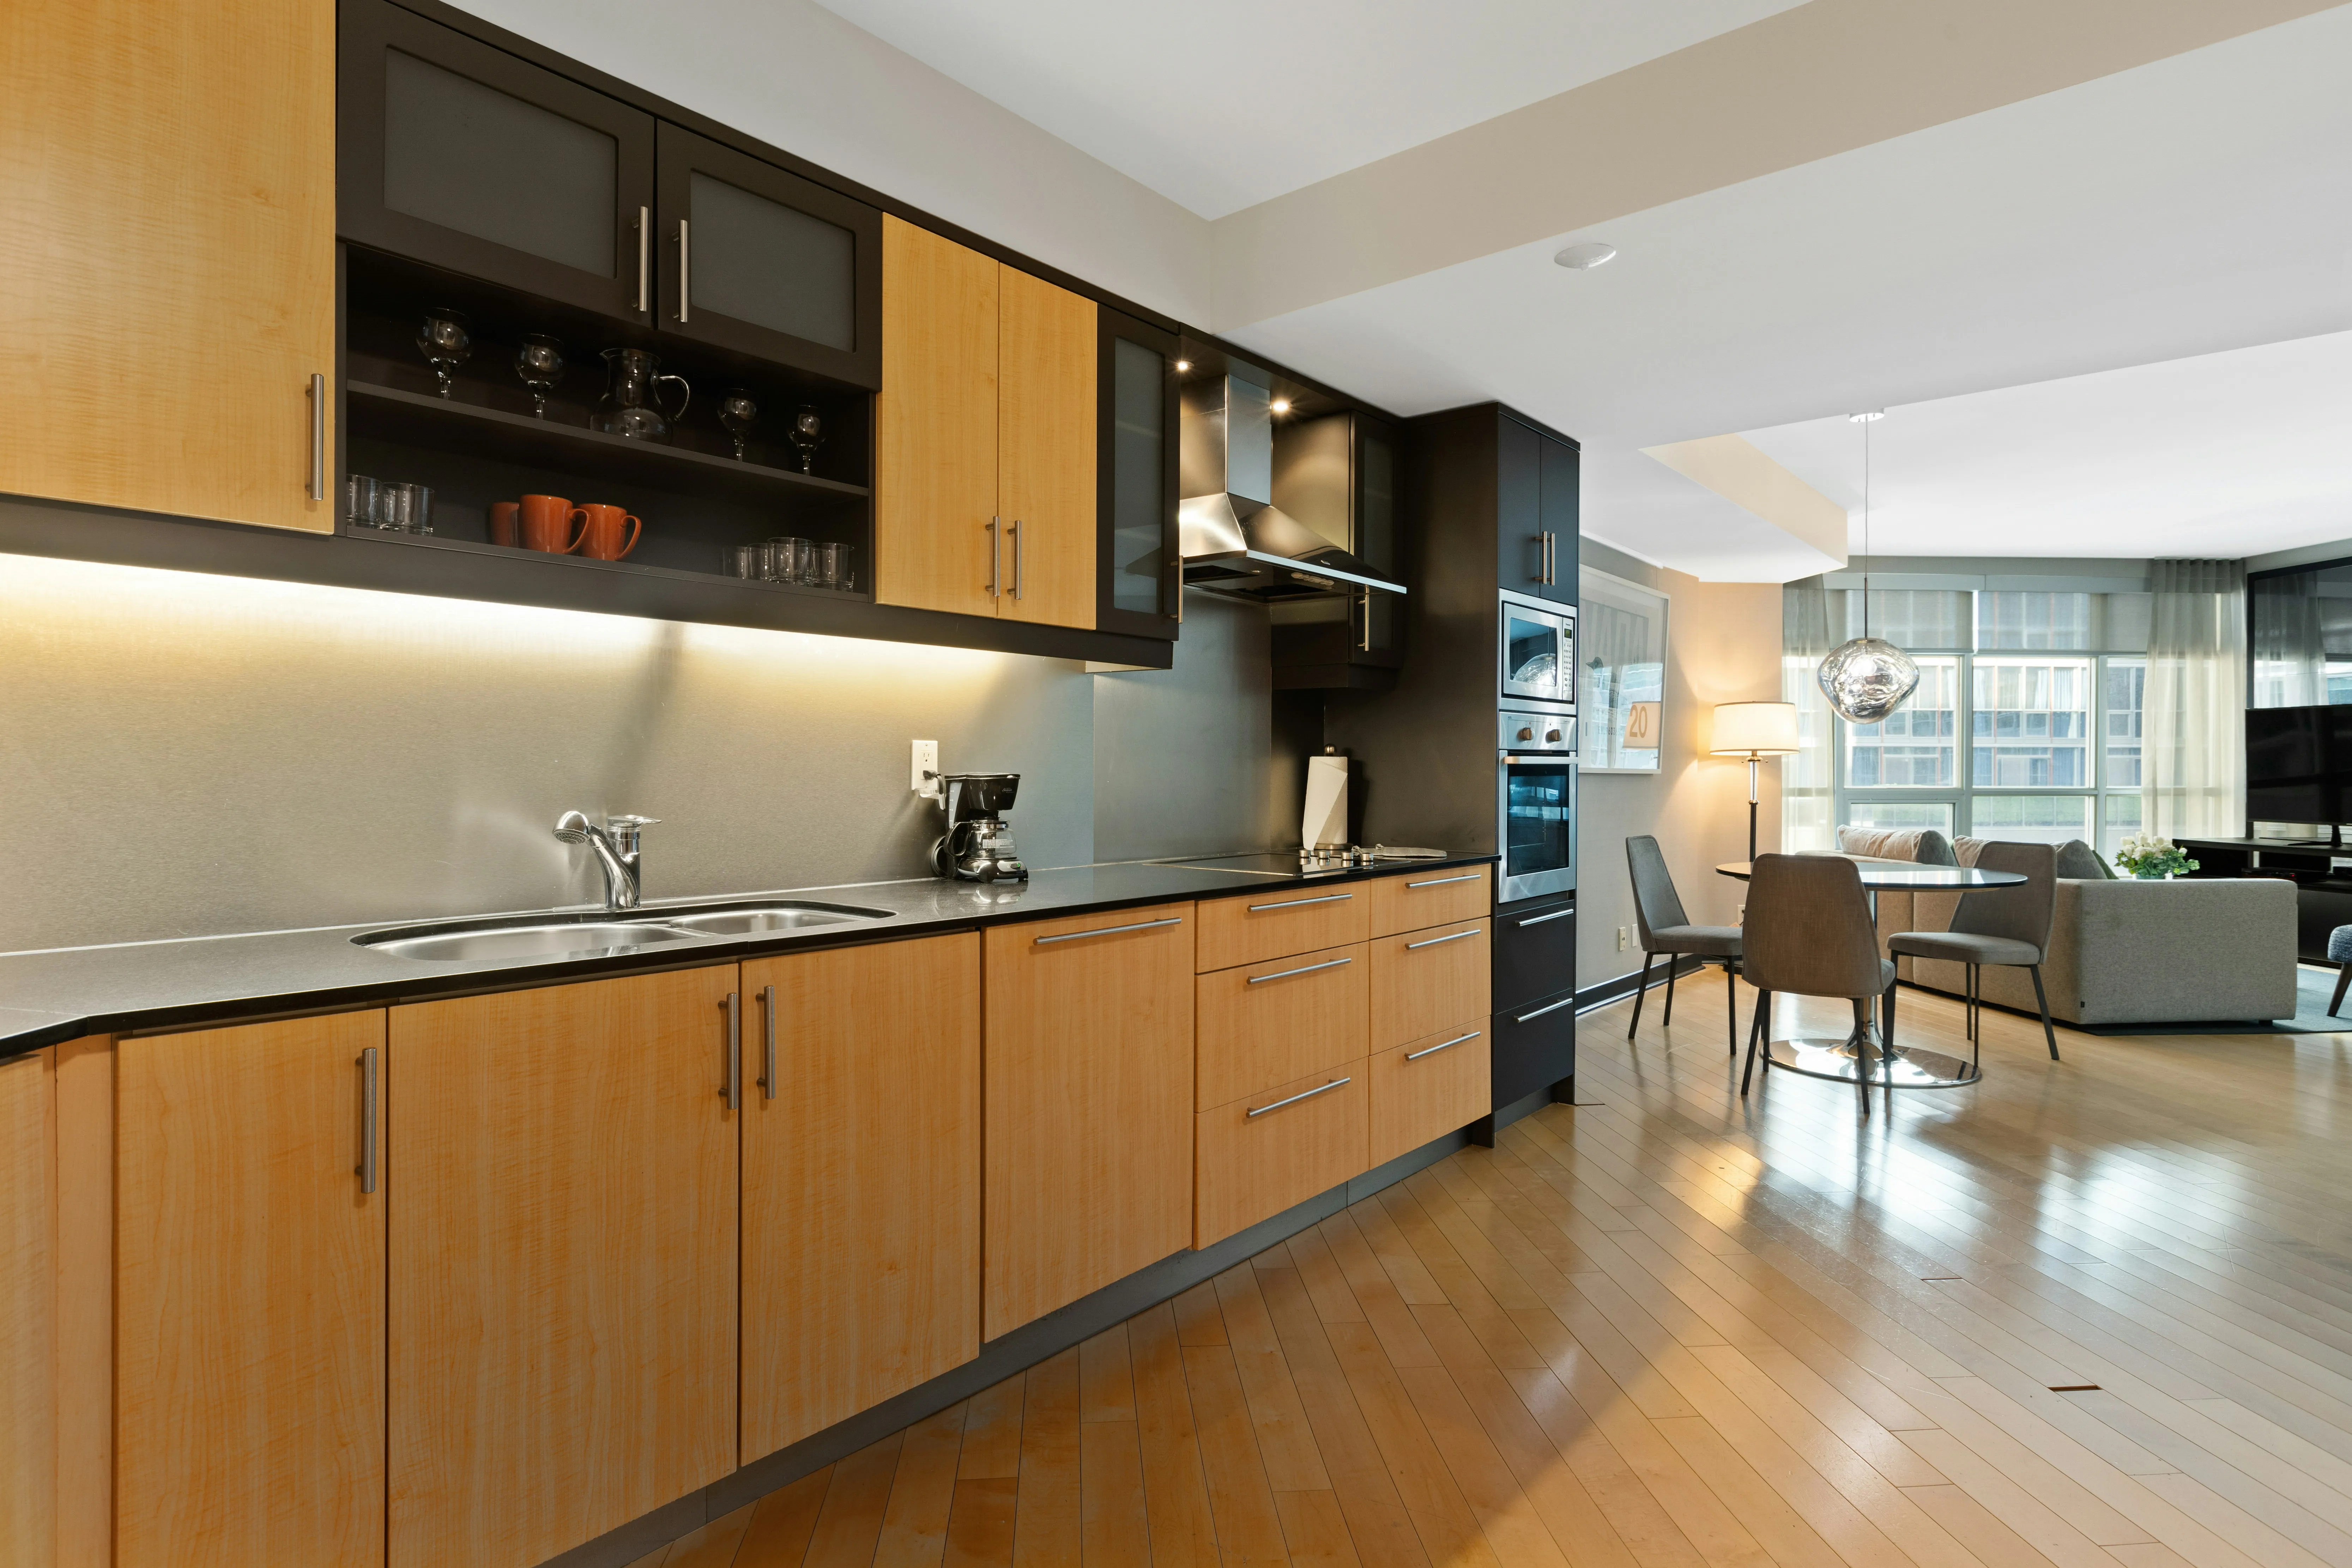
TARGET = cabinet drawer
x,y
1423,980
1534,1047
1535,952
1252,1166
1277,924
1427,1089
1410,901
1265,1024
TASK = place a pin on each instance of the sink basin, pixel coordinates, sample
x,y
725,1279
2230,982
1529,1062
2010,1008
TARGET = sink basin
x,y
750,918
554,938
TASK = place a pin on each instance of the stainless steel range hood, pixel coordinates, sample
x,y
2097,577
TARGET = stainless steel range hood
x,y
1234,540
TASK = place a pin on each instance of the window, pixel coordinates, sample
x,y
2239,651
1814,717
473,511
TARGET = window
x,y
2031,724
1937,815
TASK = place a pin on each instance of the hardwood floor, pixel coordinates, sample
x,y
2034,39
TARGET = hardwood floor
x,y
2095,1313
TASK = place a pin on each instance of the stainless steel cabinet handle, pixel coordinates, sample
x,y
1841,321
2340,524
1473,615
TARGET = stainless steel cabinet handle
x,y
767,1058
1432,1050
367,1120
1295,1099
733,1094
318,481
1294,903
1110,930
1440,881
1538,920
1366,644
1016,557
1306,969
995,558
1530,1017
684,267
644,259
1433,941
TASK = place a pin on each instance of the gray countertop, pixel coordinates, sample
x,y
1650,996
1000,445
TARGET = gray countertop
x,y
62,994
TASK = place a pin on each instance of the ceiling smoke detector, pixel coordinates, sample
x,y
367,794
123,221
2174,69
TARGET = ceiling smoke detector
x,y
1586,257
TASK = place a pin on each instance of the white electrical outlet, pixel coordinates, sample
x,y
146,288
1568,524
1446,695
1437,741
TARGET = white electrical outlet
x,y
1622,931
926,780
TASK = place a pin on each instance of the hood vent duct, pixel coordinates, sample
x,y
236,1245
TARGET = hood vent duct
x,y
1234,540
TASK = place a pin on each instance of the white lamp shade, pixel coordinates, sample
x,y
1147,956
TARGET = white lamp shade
x,y
1755,729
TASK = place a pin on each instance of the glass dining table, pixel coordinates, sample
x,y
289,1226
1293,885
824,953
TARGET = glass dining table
x,y
1899,1065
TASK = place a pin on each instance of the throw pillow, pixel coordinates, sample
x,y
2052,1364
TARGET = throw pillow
x,y
1922,845
2079,862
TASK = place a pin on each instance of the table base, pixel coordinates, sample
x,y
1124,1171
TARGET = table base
x,y
1912,1067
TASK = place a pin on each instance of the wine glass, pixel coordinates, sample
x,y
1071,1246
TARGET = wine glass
x,y
447,337
540,363
737,411
807,436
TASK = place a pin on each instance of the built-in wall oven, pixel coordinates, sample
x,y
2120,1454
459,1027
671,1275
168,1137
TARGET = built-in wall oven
x,y
1538,651
1535,803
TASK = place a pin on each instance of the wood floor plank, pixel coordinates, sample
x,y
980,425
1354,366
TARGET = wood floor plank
x,y
1047,1527
1240,1501
1198,1320
1315,1529
1106,1380
715,1544
1442,1517
850,1524
1285,1442
1113,1525
1176,1493
991,1432
980,1527
778,1535
923,1492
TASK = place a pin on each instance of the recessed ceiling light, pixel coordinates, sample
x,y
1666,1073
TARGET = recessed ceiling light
x,y
1873,417
1586,257
1183,364
1280,406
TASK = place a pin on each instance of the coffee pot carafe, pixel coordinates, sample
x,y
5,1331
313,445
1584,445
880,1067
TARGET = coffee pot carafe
x,y
631,406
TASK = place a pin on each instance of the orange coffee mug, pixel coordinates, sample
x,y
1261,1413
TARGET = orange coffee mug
x,y
547,524
502,522
600,535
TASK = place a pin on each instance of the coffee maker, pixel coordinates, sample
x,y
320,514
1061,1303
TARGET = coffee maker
x,y
978,846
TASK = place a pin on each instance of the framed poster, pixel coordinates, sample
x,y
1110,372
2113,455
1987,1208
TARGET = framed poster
x,y
1621,674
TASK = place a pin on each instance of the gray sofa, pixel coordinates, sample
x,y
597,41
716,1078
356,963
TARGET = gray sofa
x,y
2121,951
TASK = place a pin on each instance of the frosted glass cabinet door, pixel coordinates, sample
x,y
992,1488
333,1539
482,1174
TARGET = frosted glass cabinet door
x,y
760,260
473,159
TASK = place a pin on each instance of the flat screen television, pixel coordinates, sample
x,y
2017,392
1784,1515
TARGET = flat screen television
x,y
2299,763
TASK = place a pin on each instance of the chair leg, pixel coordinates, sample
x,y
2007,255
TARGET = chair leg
x,y
1887,1033
1862,1053
1756,1030
2043,998
1666,1019
1640,993
2343,980
1732,1008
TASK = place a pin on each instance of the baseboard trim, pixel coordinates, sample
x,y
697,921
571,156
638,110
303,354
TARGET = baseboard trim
x,y
999,1358
1625,984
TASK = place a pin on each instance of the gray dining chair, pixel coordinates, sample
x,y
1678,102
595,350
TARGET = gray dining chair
x,y
1809,933
1997,926
1666,930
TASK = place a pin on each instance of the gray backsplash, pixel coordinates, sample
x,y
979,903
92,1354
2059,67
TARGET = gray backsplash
x,y
183,754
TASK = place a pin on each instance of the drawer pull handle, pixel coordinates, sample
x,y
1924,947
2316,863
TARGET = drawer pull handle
x,y
1440,881
1110,931
1294,903
1295,1099
731,1092
1530,1017
1432,942
366,1170
1538,920
1432,1050
1304,969
768,1062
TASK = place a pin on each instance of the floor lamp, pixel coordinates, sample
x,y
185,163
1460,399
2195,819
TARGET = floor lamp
x,y
1754,731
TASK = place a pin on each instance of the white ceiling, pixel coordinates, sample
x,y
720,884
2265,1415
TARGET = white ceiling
x,y
2238,453
2187,207
1219,104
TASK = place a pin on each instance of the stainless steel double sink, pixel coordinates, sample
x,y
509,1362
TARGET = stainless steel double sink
x,y
605,935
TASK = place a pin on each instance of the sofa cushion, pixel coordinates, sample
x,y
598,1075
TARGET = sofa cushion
x,y
1923,846
2080,861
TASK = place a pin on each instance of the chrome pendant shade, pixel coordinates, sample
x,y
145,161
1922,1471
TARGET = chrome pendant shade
x,y
1868,678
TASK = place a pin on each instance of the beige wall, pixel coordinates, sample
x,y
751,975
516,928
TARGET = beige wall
x,y
1723,645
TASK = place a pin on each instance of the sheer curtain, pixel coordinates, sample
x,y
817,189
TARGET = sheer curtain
x,y
2195,714
1806,779
2290,642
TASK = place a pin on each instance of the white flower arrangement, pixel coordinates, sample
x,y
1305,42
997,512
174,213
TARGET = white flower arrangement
x,y
2152,855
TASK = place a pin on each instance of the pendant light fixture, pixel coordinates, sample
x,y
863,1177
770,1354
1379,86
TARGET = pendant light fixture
x,y
1868,678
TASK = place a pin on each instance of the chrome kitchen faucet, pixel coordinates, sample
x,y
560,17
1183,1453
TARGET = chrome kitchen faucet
x,y
617,850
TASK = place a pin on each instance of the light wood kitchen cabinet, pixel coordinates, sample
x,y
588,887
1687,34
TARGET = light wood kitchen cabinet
x,y
984,496
1423,981
1426,1088
1411,900
1246,930
562,1299
1263,1023
1260,1155
28,1465
170,254
861,1179
249,1296
1087,1078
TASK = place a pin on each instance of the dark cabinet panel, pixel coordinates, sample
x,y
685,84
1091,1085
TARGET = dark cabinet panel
x,y
1136,554
1337,475
1518,508
464,157
1560,513
1534,951
1534,1045
764,262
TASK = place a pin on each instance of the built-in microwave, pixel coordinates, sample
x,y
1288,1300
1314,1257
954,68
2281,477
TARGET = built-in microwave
x,y
1538,651
1535,803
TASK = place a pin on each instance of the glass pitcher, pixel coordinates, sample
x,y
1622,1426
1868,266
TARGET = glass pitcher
x,y
631,406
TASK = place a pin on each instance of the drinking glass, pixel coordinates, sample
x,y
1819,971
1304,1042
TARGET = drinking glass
x,y
540,363
737,411
405,507
447,337
746,561
807,435
831,567
789,558
359,501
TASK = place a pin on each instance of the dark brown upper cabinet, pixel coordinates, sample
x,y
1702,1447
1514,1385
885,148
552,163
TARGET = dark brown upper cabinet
x,y
1136,475
459,154
1337,473
766,263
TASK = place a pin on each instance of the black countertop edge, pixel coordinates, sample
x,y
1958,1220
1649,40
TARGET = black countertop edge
x,y
48,997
